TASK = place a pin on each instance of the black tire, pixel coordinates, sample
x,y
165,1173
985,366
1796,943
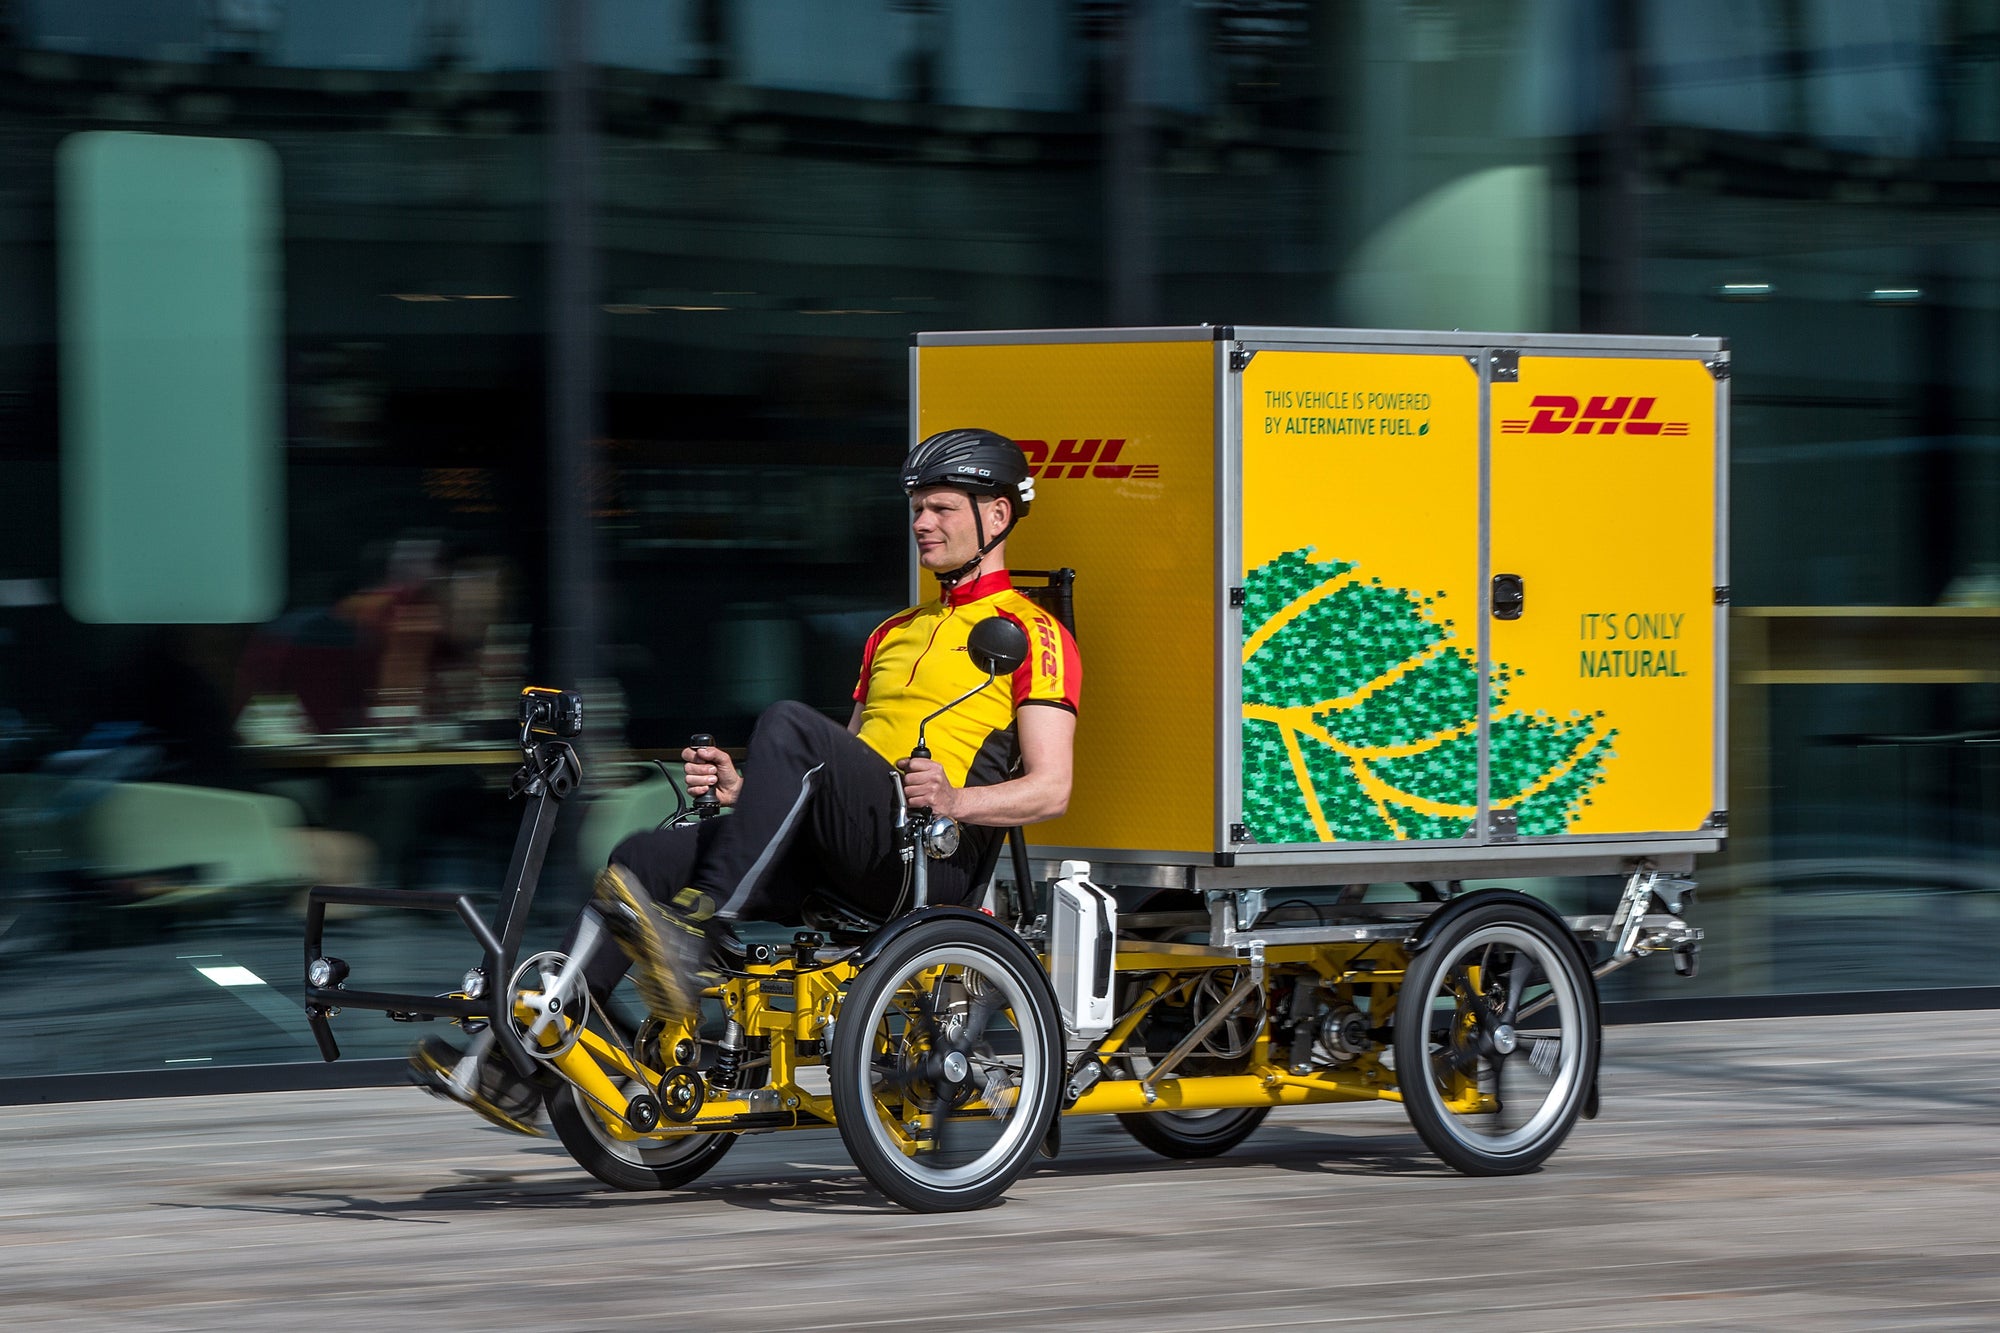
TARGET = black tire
x,y
1191,1134
972,1057
1496,1040
1186,1135
634,1164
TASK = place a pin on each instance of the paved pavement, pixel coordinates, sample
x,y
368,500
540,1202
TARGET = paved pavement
x,y
1823,1174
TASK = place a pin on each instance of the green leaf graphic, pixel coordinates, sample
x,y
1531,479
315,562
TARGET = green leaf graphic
x,y
1360,718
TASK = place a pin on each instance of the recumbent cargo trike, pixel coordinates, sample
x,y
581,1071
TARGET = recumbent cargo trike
x,y
1313,711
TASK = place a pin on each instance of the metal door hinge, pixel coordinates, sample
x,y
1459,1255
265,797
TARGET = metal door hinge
x,y
1239,357
1718,367
1717,822
1239,833
1722,595
1506,365
1236,597
1503,825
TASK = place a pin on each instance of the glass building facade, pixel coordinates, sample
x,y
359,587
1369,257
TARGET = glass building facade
x,y
361,361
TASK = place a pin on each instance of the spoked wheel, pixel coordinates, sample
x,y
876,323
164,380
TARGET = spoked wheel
x,y
1194,1134
946,1058
630,1164
1496,1040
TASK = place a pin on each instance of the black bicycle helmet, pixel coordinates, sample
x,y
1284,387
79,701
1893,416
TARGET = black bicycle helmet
x,y
981,462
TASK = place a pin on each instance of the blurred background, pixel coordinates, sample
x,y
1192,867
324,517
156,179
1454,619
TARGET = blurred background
x,y
363,359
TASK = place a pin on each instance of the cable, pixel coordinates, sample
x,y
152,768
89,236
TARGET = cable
x,y
1318,915
681,810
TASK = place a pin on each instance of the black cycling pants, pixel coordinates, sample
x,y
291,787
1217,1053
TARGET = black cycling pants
x,y
817,817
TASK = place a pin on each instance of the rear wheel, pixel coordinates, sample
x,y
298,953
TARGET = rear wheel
x,y
630,1164
946,1057
1189,1134
1496,1040
1194,1134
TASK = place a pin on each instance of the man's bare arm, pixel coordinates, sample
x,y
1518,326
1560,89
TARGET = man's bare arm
x,y
1048,737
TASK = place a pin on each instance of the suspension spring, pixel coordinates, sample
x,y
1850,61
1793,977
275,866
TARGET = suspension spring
x,y
728,1057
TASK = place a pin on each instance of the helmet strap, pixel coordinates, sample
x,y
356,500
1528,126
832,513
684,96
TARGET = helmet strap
x,y
951,580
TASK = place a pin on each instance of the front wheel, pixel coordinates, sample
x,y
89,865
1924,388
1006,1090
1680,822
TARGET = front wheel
x,y
630,1164
1496,1040
946,1058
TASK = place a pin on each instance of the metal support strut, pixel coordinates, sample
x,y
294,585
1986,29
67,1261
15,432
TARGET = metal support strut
x,y
1251,981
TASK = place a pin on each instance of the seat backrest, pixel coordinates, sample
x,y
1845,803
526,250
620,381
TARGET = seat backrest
x,y
1051,589
1054,590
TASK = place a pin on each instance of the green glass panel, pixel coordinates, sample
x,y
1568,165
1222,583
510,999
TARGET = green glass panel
x,y
173,500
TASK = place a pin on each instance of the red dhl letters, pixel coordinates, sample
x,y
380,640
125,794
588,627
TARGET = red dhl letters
x,y
1046,637
1559,414
1082,458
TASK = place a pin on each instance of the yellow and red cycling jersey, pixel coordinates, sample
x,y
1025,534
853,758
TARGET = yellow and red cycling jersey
x,y
916,663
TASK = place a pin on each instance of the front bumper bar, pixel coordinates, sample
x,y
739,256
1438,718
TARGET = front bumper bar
x,y
323,1001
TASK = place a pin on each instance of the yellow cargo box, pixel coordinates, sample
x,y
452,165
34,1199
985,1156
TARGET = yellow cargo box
x,y
1359,605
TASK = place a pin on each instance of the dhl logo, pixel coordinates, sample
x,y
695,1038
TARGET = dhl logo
x,y
1082,458
1045,636
1559,414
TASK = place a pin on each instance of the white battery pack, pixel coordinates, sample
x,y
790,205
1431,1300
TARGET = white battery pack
x,y
1083,930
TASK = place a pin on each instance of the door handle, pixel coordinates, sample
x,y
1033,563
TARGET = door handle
x,y
1509,596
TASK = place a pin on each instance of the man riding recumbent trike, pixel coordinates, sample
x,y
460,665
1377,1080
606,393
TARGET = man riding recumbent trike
x,y
1350,741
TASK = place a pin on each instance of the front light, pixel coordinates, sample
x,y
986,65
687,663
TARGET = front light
x,y
474,984
325,973
941,837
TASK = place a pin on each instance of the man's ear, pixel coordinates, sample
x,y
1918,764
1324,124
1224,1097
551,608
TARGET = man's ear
x,y
1003,514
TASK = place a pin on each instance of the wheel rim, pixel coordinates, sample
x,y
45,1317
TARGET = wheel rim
x,y
1504,1053
983,1011
653,1153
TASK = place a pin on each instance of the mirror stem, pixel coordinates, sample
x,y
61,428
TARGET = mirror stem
x,y
923,751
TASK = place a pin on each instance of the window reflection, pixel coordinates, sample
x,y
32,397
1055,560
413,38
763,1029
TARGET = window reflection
x,y
784,192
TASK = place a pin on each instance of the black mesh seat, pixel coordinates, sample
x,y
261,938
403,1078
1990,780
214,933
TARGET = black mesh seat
x,y
1054,590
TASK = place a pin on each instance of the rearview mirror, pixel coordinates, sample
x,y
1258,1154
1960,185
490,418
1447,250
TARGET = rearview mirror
x,y
998,646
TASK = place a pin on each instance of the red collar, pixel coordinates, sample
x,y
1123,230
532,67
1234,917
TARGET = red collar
x,y
983,586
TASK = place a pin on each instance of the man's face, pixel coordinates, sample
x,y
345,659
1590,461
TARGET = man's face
x,y
941,519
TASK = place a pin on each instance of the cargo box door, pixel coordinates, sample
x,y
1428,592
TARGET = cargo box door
x,y
1603,640
1361,602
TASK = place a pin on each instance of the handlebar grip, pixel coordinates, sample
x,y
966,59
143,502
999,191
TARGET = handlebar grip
x,y
706,805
